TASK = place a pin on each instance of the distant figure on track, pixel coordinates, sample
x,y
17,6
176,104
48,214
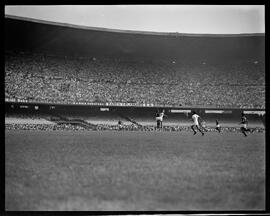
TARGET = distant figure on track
x,y
202,124
244,123
195,118
120,125
218,126
159,118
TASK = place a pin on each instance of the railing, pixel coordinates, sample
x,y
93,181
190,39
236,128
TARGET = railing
x,y
122,104
88,103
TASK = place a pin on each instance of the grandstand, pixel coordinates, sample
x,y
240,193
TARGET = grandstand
x,y
102,66
41,78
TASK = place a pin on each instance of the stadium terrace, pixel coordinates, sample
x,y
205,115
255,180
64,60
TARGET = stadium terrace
x,y
61,63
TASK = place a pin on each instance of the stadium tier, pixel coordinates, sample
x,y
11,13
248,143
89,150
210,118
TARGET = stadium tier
x,y
56,79
60,63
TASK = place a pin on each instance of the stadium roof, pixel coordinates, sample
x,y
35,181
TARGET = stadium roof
x,y
130,31
38,36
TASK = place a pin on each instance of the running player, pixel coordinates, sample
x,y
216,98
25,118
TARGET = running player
x,y
218,126
195,118
244,123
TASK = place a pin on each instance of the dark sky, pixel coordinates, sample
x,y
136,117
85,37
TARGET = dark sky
x,y
217,19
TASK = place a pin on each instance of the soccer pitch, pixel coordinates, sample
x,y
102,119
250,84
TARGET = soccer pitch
x,y
121,170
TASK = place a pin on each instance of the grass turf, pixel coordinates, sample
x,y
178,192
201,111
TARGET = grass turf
x,y
120,170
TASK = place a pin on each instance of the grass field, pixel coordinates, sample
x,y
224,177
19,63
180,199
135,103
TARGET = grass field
x,y
120,170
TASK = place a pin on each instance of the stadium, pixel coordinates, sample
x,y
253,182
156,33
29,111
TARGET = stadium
x,y
68,86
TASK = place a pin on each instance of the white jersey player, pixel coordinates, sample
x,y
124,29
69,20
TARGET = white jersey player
x,y
195,118
159,118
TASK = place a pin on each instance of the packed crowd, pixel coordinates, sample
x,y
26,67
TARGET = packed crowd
x,y
54,79
44,127
102,127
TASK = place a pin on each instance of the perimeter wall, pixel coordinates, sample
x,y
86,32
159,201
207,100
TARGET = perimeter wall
x,y
142,115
